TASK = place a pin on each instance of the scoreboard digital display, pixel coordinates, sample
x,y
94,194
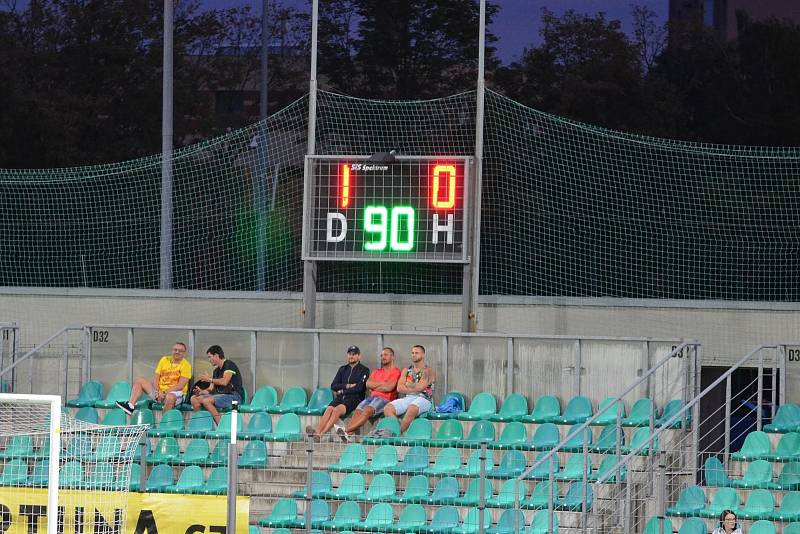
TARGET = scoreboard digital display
x,y
413,209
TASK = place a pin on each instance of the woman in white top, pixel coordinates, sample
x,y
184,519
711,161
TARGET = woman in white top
x,y
727,524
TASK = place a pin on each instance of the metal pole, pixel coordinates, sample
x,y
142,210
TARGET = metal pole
x,y
727,422
166,151
315,368
695,414
584,508
509,366
577,363
260,169
445,364
662,481
310,267
474,264
782,391
253,358
129,355
550,493
309,477
760,392
481,490
233,462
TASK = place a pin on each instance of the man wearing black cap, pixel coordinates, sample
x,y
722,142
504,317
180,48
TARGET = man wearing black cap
x,y
349,386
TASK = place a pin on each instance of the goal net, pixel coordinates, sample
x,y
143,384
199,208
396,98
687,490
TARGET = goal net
x,y
61,475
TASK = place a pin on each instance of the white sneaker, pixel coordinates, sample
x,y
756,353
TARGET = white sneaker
x,y
342,434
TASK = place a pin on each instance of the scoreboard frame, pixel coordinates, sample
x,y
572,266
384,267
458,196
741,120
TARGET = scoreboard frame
x,y
351,249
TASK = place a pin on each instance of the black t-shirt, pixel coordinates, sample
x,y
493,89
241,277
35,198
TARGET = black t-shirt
x,y
236,381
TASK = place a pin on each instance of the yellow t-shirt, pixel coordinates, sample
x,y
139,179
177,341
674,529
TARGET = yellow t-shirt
x,y
169,373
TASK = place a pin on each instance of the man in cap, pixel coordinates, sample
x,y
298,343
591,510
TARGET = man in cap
x,y
349,386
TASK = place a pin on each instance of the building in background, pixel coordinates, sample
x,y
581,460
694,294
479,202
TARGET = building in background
x,y
721,14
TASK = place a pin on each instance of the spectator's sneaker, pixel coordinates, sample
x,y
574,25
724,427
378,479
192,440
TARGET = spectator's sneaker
x,y
125,406
338,428
343,435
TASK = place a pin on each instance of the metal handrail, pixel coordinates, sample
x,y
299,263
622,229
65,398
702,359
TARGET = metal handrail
x,y
37,348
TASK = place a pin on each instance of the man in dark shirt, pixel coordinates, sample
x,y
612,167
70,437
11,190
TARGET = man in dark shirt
x,y
349,387
219,390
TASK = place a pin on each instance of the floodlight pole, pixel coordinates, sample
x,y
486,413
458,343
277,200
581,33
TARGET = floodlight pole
x,y
166,151
469,313
259,170
310,267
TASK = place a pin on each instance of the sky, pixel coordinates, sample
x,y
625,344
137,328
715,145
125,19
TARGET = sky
x,y
518,22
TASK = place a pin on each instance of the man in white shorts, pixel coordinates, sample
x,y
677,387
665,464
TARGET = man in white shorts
x,y
416,385
169,382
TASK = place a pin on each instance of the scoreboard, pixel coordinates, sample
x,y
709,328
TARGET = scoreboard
x,y
413,209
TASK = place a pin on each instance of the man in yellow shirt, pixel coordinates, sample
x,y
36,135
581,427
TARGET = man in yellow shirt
x,y
169,383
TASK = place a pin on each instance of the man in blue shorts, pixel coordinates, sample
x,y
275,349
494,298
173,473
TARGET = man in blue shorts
x,y
221,389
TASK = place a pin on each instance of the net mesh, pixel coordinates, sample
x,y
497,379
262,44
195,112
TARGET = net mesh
x,y
567,209
94,471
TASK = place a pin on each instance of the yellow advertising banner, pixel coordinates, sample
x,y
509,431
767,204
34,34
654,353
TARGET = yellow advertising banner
x,y
24,511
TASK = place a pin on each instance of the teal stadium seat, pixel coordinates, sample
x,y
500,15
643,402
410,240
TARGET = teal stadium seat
x,y
416,491
263,400
353,458
658,525
166,451
671,409
255,455
286,429
347,516
71,475
787,449
514,406
447,462
115,417
419,432
481,432
482,406
39,475
473,465
506,496
470,523
320,486
259,425
758,475
352,486
723,499
472,494
578,410
293,399
223,429
641,412
379,517
714,473
284,513
88,414
196,453
540,496
762,527
546,437
610,415
607,466
320,399
382,488
446,491
641,442
191,480
444,520
217,483
134,481
574,498
510,522
575,467
542,471
320,512
759,505
691,502
119,391
547,409
392,424
199,424
756,446
108,448
142,416
514,435
415,461
449,431
412,518
512,464
160,479
170,424
787,419
789,509
20,446
579,439
541,524
15,472
693,525
433,414
89,394
607,441
78,447
219,455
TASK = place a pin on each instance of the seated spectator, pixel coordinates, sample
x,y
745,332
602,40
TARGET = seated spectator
x,y
220,390
416,385
382,384
169,383
349,386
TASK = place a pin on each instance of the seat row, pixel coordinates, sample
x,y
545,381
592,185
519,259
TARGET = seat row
x,y
758,446
413,518
787,419
445,491
760,504
198,452
694,525
759,475
191,480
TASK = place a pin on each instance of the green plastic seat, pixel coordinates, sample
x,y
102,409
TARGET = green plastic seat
x,y
352,486
20,446
514,435
792,528
578,439
472,494
284,512
253,529
444,520
482,406
481,432
142,416
142,449
671,409
658,525
578,410
541,524
447,462
789,509
166,451
762,526
40,474
723,499
787,449
170,424
223,429
115,417
160,479
691,501
506,495
514,406
320,512
353,458
120,391
70,475
419,432
254,455
316,405
108,448
392,424
412,518
787,419
609,416
259,425
381,489
416,491
641,438
89,394
219,454
759,505
546,437
758,475
15,472
542,471
606,466
135,476
446,491
286,429
78,447
641,413
293,399
470,523
540,496
510,522
88,414
449,431
714,473
546,409
191,480
264,398
575,467
347,516
693,525
378,519
384,459
433,414
574,498
788,479
217,483
196,453
607,441
415,460
473,465
756,446
512,464
320,486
